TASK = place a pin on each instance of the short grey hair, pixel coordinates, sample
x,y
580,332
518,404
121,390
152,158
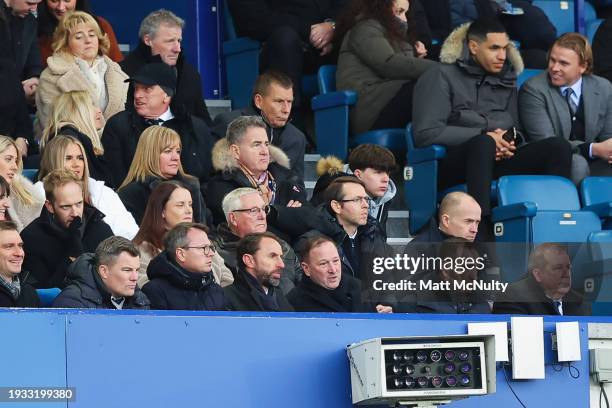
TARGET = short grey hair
x,y
109,250
177,237
231,201
151,23
239,126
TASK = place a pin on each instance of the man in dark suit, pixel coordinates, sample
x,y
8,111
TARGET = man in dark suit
x,y
546,289
569,101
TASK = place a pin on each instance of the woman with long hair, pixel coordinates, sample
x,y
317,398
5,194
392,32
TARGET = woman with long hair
x,y
169,204
158,158
5,201
67,152
25,200
381,62
50,12
79,63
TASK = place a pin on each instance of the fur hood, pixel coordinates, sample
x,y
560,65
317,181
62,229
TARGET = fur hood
x,y
455,49
222,159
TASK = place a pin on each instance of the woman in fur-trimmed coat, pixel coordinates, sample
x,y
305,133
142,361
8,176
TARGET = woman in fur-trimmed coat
x,y
285,185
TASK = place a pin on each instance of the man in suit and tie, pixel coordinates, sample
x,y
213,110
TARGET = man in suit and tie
x,y
546,289
569,101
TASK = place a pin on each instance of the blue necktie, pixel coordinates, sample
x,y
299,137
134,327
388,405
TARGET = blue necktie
x,y
570,101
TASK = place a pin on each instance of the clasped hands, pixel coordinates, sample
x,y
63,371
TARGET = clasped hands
x,y
503,148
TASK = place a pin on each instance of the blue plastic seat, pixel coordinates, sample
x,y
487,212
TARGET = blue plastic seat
x,y
591,28
332,127
30,174
596,195
241,57
47,296
561,14
597,279
525,75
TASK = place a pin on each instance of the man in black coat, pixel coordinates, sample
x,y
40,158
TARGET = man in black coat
x,y
244,158
260,266
106,279
181,278
154,86
547,287
297,34
161,33
15,291
66,228
272,101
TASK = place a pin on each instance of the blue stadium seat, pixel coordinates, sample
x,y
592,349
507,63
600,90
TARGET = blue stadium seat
x,y
47,296
596,195
561,14
525,75
597,279
536,209
30,174
332,125
241,57
592,27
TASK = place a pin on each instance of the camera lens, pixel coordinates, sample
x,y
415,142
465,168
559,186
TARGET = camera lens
x,y
436,381
435,356
449,368
422,382
398,382
408,357
451,380
409,369
397,356
465,368
397,369
463,355
449,355
464,380
409,381
421,356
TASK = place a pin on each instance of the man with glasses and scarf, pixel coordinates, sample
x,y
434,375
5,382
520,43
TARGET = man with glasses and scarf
x,y
180,278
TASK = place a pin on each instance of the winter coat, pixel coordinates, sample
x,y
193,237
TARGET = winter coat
x,y
50,248
459,99
136,194
172,287
122,132
27,297
230,177
290,139
108,202
20,46
14,116
64,75
20,213
450,301
308,296
188,84
376,69
244,295
259,18
86,289
227,244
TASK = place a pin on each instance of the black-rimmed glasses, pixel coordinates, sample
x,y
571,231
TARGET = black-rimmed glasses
x,y
255,210
207,249
357,200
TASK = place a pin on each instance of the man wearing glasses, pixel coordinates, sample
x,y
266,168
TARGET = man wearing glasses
x,y
246,213
180,278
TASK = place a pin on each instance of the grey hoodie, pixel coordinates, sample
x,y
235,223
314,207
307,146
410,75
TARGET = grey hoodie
x,y
377,205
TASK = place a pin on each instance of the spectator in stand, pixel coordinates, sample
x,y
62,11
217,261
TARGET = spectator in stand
x,y
469,105
66,152
15,291
5,201
169,204
161,34
181,277
380,62
571,103
154,91
18,27
26,201
67,228
244,158
272,100
50,12
260,267
297,35
79,63
105,280
158,158
74,114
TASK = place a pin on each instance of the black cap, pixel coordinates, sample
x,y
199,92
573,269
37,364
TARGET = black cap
x,y
156,74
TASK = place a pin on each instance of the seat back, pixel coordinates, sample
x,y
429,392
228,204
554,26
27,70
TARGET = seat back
x,y
592,27
549,193
561,14
228,22
595,190
327,79
525,75
30,174
47,296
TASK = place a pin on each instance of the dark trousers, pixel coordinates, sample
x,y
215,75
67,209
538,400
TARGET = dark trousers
x,y
473,163
398,112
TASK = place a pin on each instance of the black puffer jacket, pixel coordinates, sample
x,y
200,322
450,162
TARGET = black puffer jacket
x,y
87,291
310,297
171,287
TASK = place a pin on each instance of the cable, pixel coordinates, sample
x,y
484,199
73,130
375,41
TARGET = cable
x,y
603,392
509,386
570,366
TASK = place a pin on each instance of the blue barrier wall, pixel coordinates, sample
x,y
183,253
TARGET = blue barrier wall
x,y
157,359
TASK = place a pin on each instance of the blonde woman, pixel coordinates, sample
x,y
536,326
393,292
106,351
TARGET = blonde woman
x,y
79,63
158,158
74,114
25,200
67,152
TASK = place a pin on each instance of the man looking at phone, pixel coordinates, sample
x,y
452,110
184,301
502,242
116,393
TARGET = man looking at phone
x,y
569,102
469,105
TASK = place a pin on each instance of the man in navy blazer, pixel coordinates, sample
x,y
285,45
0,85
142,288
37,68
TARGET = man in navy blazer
x,y
569,101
